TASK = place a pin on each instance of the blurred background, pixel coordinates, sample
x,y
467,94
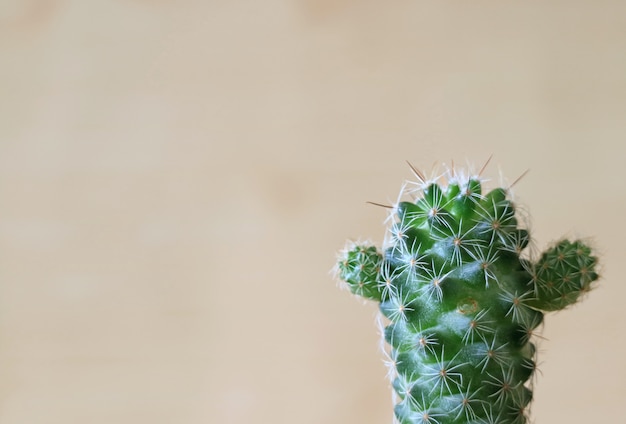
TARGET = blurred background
x,y
177,176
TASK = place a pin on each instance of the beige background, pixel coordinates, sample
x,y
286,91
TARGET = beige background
x,y
176,177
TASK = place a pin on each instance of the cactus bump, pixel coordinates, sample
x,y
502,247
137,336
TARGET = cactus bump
x,y
463,299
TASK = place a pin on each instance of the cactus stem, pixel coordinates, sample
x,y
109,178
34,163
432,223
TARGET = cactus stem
x,y
442,375
462,303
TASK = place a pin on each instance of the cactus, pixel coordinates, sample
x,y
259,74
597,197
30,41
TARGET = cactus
x,y
463,300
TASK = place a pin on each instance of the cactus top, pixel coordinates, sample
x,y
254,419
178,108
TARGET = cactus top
x,y
463,302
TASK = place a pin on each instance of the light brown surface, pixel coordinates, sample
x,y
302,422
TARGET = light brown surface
x,y
175,178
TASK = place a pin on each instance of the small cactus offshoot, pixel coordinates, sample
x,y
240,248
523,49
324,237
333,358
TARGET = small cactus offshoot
x,y
463,300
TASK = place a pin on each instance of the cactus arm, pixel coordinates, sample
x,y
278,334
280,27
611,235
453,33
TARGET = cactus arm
x,y
562,274
360,268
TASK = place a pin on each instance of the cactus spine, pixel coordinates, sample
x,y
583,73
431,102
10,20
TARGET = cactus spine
x,y
462,301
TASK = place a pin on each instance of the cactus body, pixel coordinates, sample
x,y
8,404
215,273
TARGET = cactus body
x,y
463,302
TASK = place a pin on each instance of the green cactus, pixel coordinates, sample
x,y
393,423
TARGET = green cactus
x,y
463,301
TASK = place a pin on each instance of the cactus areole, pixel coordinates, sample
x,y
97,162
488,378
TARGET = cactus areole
x,y
463,300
